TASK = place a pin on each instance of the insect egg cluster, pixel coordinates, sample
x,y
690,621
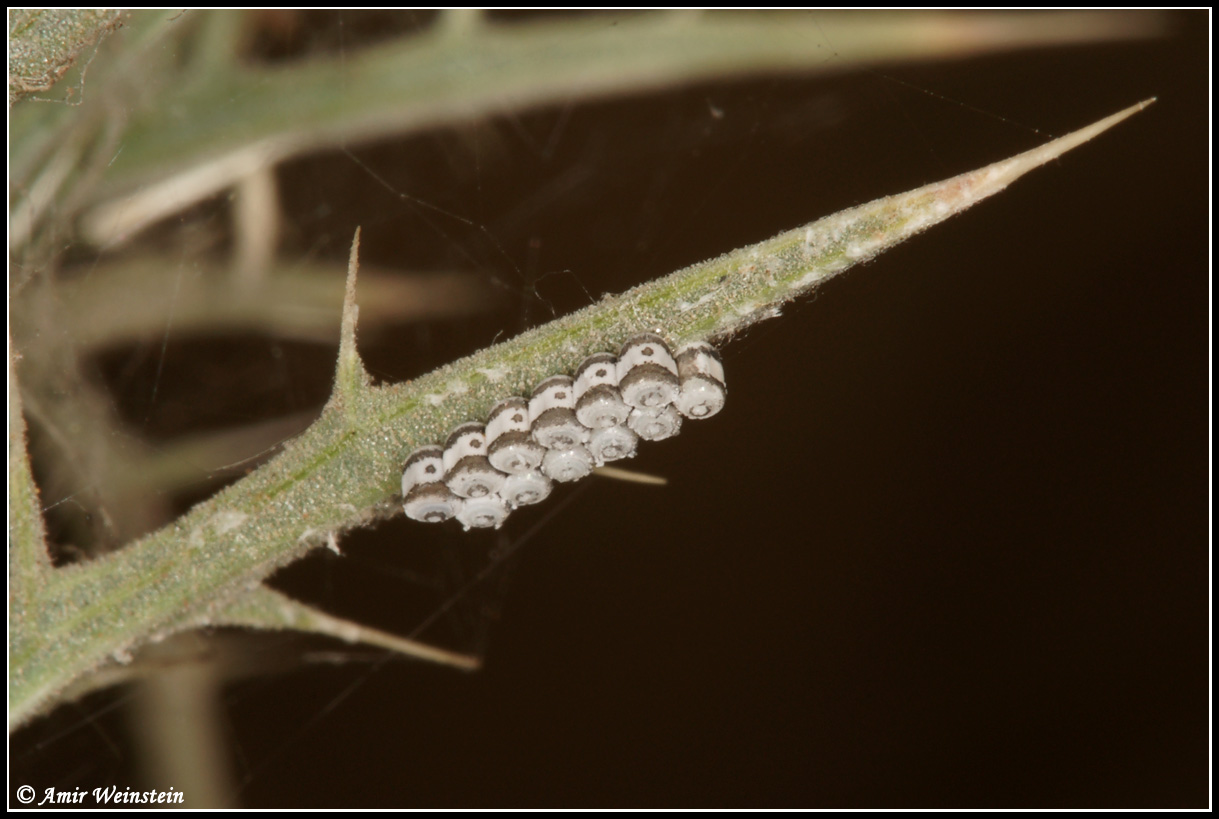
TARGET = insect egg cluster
x,y
568,426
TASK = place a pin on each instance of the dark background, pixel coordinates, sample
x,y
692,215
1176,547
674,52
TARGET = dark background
x,y
947,546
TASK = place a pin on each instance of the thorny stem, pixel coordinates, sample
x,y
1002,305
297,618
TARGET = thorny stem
x,y
343,471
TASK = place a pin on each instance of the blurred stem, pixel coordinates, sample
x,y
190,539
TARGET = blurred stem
x,y
177,719
255,218
204,135
192,460
126,302
80,437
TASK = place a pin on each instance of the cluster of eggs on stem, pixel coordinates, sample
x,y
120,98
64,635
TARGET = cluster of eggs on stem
x,y
569,425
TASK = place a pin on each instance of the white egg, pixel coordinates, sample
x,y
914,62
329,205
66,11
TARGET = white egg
x,y
431,503
510,444
565,465
467,471
653,425
598,370
647,372
552,410
557,391
598,401
464,440
612,444
525,488
424,465
509,415
702,381
483,513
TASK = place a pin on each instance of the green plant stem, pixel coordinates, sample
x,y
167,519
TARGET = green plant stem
x,y
344,471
